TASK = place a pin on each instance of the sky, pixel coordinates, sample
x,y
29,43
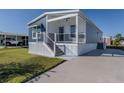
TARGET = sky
x,y
109,21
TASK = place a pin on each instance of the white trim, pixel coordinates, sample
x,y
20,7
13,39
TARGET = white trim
x,y
65,11
32,26
56,12
62,17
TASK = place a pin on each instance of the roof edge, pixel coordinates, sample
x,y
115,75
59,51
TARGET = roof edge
x,y
54,12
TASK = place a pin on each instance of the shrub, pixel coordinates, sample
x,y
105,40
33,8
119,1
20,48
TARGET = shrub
x,y
116,47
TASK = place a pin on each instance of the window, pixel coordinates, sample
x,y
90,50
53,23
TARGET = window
x,y
34,35
73,30
36,31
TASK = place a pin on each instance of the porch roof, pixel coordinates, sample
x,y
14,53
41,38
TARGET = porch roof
x,y
65,12
56,12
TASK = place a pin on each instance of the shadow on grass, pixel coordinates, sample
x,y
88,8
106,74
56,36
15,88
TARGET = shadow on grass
x,y
11,70
28,69
37,75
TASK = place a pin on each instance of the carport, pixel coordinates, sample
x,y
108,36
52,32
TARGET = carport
x,y
5,37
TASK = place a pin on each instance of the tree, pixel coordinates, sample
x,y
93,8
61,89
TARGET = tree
x,y
118,38
116,42
119,35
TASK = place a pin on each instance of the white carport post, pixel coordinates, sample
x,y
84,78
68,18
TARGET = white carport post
x,y
16,39
25,41
5,39
0,39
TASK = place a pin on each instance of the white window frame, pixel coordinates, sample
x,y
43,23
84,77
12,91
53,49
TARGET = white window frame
x,y
33,35
70,32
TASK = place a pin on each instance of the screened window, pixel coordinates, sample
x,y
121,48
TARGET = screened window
x,y
73,30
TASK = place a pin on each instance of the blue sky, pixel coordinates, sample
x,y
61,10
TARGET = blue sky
x,y
109,21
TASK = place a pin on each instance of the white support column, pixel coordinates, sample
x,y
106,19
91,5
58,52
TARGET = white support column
x,y
85,33
55,44
36,34
46,27
44,36
77,32
46,24
5,39
77,28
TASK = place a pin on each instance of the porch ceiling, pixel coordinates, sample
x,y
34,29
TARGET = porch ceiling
x,y
62,17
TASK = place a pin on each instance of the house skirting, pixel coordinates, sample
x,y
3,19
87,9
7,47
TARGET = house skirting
x,y
39,48
84,48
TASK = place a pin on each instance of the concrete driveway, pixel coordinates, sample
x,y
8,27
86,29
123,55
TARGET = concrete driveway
x,y
107,53
86,69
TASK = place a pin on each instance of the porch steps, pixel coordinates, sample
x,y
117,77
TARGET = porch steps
x,y
51,44
59,52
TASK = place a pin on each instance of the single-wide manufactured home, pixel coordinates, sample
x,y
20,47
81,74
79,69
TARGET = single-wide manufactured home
x,y
68,33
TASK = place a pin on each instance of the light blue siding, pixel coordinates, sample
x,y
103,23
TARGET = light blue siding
x,y
93,34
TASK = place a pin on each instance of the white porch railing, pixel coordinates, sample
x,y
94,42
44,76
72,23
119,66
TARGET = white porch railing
x,y
62,37
67,38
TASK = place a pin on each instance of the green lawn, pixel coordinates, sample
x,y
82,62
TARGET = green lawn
x,y
16,65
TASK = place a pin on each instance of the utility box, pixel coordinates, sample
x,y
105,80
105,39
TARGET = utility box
x,y
101,46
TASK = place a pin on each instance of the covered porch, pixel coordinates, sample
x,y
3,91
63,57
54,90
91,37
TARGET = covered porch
x,y
65,28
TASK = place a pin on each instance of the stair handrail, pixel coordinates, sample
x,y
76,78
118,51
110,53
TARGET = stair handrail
x,y
54,47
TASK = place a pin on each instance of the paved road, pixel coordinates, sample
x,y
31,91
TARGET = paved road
x,y
86,69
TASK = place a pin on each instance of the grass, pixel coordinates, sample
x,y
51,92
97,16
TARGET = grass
x,y
16,65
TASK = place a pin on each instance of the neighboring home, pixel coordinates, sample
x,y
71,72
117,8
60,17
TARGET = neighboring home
x,y
13,39
108,40
122,42
68,33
